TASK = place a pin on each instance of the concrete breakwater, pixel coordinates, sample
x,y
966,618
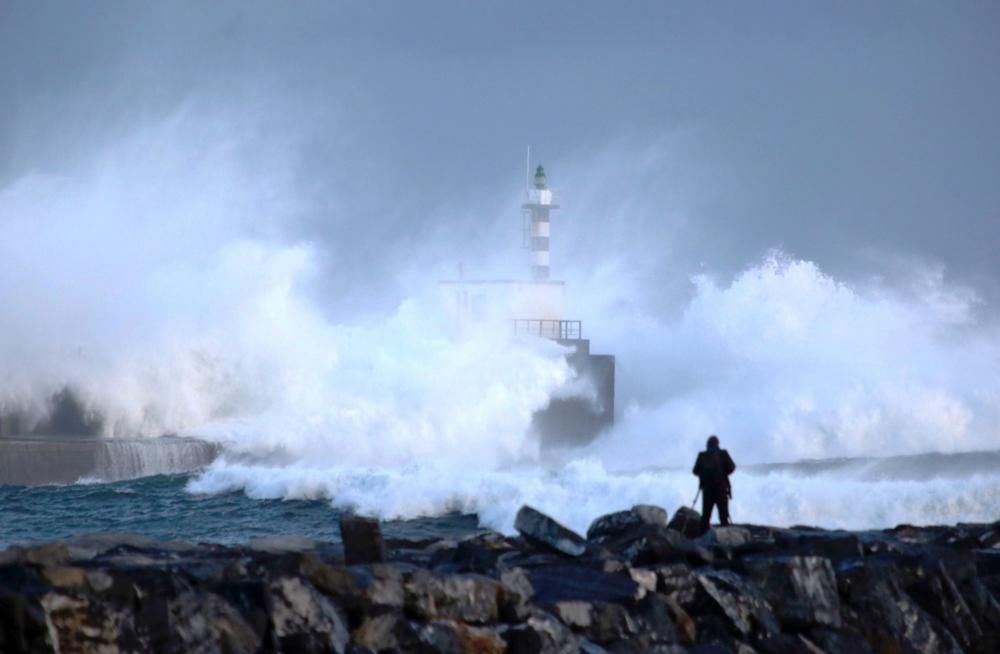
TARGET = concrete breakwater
x,y
64,460
636,583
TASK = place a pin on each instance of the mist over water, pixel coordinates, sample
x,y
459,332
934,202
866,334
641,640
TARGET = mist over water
x,y
160,282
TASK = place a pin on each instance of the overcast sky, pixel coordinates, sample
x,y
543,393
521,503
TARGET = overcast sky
x,y
860,135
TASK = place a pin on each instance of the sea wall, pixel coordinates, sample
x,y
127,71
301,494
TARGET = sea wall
x,y
64,460
635,584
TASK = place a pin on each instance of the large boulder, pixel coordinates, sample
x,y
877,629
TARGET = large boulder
x,y
540,529
303,620
747,611
363,542
610,622
802,589
938,593
656,618
515,595
614,525
677,581
727,537
656,544
883,612
457,638
541,633
573,582
836,547
470,598
687,521
385,632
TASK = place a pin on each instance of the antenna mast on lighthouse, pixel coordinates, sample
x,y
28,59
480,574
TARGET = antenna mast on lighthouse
x,y
539,204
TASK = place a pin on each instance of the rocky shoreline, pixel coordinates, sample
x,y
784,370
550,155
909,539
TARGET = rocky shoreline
x,y
636,583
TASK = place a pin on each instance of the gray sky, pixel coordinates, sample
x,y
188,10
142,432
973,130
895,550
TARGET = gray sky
x,y
860,135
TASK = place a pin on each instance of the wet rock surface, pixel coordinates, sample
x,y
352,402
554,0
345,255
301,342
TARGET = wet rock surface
x,y
635,585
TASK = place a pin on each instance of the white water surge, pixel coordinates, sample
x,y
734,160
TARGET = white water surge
x,y
155,283
783,362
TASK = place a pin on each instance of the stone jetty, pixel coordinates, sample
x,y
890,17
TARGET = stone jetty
x,y
637,582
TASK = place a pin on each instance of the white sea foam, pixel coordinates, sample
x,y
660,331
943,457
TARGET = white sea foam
x,y
784,362
151,284
582,490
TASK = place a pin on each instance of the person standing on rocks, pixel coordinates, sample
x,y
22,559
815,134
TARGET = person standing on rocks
x,y
713,468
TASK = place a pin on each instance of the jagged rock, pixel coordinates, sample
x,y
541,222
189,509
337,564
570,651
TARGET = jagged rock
x,y
305,621
615,565
587,647
675,580
837,640
654,544
883,613
614,525
71,629
457,638
204,622
987,562
656,619
990,537
386,632
609,622
641,645
363,542
99,581
748,612
686,521
785,644
347,586
468,556
467,598
646,578
727,537
574,613
51,554
23,624
651,514
64,576
418,595
719,648
912,590
539,528
380,587
801,589
279,544
514,595
687,629
541,633
938,594
568,582
251,597
835,548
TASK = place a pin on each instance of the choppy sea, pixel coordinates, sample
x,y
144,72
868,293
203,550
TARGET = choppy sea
x,y
235,503
159,507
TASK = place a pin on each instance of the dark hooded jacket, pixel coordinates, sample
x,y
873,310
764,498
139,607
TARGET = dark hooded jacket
x,y
713,468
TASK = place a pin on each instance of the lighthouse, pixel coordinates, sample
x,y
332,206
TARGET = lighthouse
x,y
535,307
539,205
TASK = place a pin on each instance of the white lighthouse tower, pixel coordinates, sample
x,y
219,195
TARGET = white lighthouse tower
x,y
539,229
535,308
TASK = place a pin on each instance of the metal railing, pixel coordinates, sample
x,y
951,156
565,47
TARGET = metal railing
x,y
560,330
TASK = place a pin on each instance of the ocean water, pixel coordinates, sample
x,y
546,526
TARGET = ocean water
x,y
218,504
159,507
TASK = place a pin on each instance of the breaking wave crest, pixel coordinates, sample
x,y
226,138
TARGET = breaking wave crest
x,y
156,285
